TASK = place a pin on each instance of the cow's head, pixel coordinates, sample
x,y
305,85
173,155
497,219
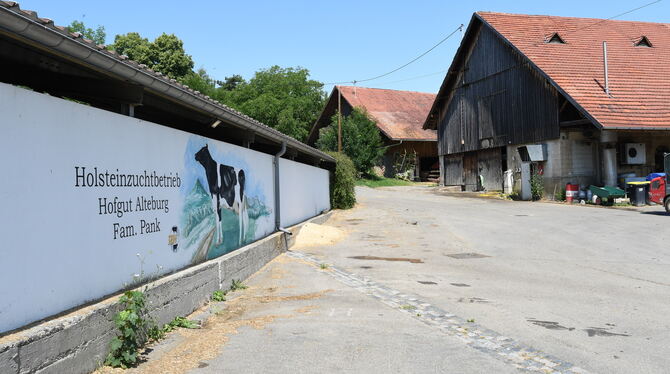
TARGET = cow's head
x,y
203,155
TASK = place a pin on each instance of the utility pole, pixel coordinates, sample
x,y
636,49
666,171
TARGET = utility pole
x,y
339,120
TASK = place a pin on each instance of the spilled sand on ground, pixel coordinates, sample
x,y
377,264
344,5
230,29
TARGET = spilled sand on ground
x,y
313,235
195,346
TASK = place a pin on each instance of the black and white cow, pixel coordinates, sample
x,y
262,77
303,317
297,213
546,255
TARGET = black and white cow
x,y
224,184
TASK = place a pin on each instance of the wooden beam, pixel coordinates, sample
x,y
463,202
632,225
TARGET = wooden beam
x,y
75,87
576,122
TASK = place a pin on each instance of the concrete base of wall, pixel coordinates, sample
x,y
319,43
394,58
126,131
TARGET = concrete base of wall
x,y
79,341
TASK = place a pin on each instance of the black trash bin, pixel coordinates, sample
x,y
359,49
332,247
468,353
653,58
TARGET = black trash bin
x,y
637,192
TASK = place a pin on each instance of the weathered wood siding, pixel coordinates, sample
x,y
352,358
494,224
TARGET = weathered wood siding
x,y
489,165
453,170
470,174
498,101
422,149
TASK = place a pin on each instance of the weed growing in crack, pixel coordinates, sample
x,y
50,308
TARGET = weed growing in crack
x,y
135,328
237,285
219,295
180,322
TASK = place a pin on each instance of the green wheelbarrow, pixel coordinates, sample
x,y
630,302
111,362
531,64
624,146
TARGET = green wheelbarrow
x,y
607,194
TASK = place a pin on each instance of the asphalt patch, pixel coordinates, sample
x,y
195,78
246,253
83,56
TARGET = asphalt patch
x,y
412,260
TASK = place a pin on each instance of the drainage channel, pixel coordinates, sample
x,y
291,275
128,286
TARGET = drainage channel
x,y
510,351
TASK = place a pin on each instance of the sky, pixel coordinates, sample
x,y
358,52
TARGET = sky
x,y
336,41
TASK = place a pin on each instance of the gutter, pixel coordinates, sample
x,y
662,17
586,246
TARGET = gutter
x,y
47,36
277,194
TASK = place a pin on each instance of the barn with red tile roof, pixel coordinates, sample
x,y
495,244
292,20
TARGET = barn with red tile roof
x,y
524,83
399,115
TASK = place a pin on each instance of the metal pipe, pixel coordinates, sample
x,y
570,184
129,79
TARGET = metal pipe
x,y
607,84
394,145
276,179
285,231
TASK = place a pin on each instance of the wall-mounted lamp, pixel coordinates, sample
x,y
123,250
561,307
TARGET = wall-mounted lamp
x,y
216,123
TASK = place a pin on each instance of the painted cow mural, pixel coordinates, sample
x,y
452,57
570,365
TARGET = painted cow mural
x,y
227,186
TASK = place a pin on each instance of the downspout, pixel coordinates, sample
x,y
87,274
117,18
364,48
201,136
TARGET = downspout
x,y
394,145
277,196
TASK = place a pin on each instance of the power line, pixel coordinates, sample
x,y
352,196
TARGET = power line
x,y
404,65
413,78
461,28
613,17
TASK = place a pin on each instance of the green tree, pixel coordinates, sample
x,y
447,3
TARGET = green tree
x,y
200,81
134,46
231,83
98,35
165,54
361,140
169,56
282,98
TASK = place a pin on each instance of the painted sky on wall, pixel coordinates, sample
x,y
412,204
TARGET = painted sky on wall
x,y
337,41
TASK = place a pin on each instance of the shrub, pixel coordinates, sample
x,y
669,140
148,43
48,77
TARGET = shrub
x,y
342,182
537,186
560,195
361,140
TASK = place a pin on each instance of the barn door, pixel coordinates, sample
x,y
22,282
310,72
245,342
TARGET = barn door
x,y
453,170
489,165
470,171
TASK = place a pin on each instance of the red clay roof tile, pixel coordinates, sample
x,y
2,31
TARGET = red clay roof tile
x,y
399,114
639,77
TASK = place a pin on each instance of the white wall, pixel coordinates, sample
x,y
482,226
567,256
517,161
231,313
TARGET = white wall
x,y
60,249
304,191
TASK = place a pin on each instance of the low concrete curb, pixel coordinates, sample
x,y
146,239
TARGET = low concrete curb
x,y
79,341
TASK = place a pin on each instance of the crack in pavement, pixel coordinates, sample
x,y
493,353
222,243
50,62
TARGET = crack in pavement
x,y
510,351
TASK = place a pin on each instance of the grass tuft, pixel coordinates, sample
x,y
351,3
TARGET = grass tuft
x,y
374,182
237,285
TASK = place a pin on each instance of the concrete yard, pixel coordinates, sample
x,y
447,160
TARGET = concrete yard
x,y
418,281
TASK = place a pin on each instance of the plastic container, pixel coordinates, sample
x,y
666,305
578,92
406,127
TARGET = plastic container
x,y
654,176
621,178
571,192
637,193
